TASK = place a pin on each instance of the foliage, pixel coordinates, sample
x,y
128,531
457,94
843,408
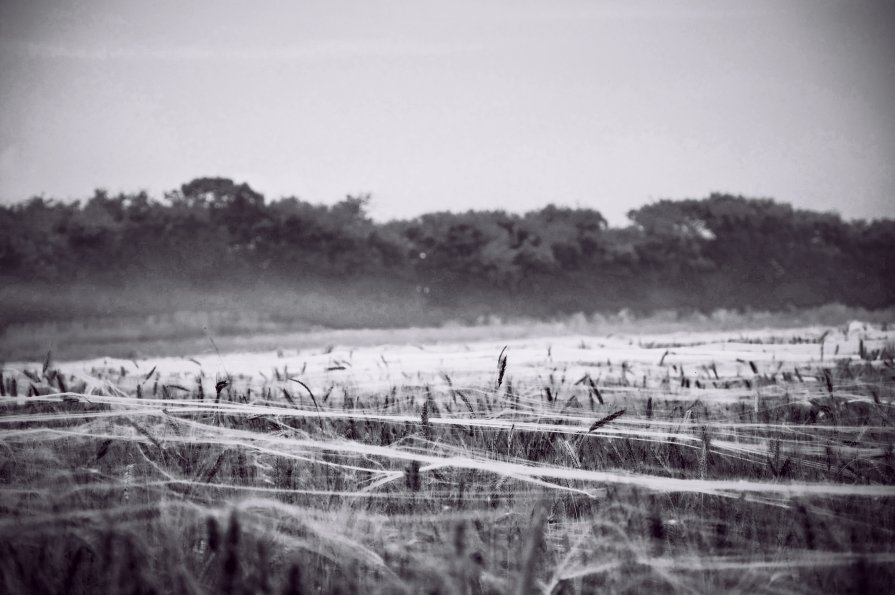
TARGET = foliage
x,y
721,252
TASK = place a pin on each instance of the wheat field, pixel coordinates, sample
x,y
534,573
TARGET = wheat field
x,y
737,461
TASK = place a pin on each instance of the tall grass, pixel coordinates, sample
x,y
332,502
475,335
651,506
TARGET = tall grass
x,y
773,475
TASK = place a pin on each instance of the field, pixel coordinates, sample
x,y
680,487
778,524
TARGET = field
x,y
702,461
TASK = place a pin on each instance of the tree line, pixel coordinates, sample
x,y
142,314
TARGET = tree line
x,y
723,251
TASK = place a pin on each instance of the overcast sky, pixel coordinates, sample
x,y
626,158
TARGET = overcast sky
x,y
454,105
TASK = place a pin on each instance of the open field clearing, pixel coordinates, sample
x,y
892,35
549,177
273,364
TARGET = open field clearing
x,y
743,461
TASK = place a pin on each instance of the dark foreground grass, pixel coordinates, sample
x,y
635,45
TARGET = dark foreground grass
x,y
137,485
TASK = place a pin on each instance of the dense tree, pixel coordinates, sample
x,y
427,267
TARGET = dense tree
x,y
723,251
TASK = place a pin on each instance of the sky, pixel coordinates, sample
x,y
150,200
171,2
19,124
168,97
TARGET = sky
x,y
454,105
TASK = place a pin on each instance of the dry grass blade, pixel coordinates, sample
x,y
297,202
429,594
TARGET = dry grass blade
x,y
289,398
466,402
501,366
310,393
828,380
424,420
215,467
595,390
602,422
103,448
147,434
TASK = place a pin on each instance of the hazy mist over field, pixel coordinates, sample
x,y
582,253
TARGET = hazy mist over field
x,y
447,297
